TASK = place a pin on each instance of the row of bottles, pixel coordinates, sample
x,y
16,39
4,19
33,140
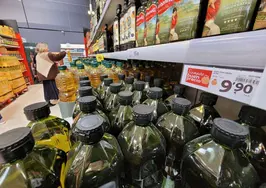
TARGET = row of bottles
x,y
149,22
135,133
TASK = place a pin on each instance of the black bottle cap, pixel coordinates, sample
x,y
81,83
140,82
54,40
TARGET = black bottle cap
x,y
179,89
83,78
125,97
129,80
103,76
158,82
15,144
84,83
181,106
139,85
137,75
121,76
107,81
87,104
142,114
155,93
229,133
85,91
37,111
252,116
89,129
115,87
208,98
148,78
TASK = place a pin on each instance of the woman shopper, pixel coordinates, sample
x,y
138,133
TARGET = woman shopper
x,y
47,71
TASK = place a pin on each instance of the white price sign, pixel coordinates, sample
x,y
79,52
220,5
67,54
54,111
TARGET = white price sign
x,y
233,84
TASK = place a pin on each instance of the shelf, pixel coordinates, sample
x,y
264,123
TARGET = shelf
x,y
6,36
240,50
107,16
21,59
9,46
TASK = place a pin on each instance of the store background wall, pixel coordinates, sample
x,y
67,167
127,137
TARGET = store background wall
x,y
44,20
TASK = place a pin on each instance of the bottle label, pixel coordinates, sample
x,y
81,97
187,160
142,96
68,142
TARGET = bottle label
x,y
140,29
151,25
122,41
116,33
131,22
228,16
125,28
261,17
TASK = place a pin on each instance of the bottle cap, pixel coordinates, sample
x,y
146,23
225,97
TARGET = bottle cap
x,y
107,81
85,91
229,132
72,64
137,75
80,66
108,65
208,98
119,64
252,116
84,83
83,78
181,106
89,129
155,93
158,82
103,76
139,85
125,97
121,76
37,111
15,144
94,64
142,114
87,104
115,87
129,80
148,78
179,89
63,67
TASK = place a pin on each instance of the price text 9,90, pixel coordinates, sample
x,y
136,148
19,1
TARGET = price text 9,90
x,y
227,86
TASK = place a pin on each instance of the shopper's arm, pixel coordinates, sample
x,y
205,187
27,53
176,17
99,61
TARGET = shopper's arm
x,y
56,57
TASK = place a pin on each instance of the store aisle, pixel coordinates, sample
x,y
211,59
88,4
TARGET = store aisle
x,y
13,113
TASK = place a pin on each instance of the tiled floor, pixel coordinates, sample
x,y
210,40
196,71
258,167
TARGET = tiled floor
x,y
13,113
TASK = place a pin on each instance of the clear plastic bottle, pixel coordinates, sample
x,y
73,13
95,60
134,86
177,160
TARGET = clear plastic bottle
x,y
178,92
138,94
81,70
121,115
100,87
74,70
144,150
95,160
105,91
119,68
129,83
87,67
148,82
23,165
204,113
178,128
83,92
155,100
95,74
66,84
217,160
111,73
121,78
46,129
111,101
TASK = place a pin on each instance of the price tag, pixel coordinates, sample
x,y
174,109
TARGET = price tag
x,y
233,84
99,57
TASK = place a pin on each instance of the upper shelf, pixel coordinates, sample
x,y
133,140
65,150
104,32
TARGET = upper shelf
x,y
107,16
240,50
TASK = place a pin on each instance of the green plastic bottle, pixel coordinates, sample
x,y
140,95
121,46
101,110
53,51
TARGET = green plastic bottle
x,y
138,94
178,92
178,128
105,90
204,113
217,160
129,83
122,114
144,150
100,87
155,100
121,78
46,129
95,160
111,100
23,165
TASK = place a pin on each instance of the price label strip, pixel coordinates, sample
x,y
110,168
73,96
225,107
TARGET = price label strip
x,y
233,84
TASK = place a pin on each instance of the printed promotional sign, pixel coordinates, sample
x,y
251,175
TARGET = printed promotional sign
x,y
233,84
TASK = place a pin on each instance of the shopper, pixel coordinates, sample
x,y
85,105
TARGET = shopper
x,y
47,71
